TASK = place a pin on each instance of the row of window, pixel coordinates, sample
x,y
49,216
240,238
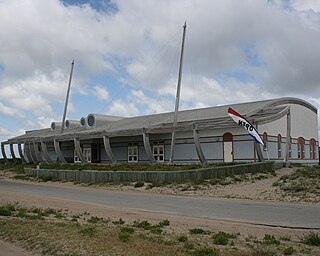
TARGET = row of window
x,y
158,150
158,153
301,147
133,154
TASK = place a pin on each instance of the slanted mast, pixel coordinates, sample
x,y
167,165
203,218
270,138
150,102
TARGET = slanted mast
x,y
175,118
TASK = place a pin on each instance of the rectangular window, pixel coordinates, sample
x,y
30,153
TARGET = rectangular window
x,y
290,151
265,146
158,153
279,150
76,158
132,154
312,150
87,154
301,151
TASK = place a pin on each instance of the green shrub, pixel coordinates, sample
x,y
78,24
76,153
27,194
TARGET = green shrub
x,y
50,211
118,222
311,238
142,224
47,178
88,231
150,186
124,237
5,211
198,231
58,215
156,229
205,252
94,219
288,251
22,213
220,238
270,239
285,238
11,207
128,230
139,184
188,246
164,223
182,238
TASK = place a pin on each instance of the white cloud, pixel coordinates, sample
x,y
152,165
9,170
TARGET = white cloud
x,y
101,92
306,5
35,93
7,111
235,51
122,108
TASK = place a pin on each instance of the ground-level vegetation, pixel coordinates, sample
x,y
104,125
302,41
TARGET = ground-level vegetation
x,y
60,232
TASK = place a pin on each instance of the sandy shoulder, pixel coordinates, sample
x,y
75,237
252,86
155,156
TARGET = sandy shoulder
x,y
177,223
8,249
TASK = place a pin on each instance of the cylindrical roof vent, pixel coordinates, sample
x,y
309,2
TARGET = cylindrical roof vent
x,y
83,122
91,120
69,124
56,125
94,120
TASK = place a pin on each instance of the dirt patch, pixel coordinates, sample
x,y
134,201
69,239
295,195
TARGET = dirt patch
x,y
8,249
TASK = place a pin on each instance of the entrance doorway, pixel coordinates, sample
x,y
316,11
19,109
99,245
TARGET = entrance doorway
x,y
87,154
158,153
227,147
95,153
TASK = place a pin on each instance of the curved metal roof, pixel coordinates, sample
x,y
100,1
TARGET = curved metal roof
x,y
213,117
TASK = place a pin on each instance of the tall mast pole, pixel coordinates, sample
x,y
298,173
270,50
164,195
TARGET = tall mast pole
x,y
67,98
175,118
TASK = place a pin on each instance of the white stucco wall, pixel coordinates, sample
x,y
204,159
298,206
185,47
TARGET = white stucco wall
x,y
304,123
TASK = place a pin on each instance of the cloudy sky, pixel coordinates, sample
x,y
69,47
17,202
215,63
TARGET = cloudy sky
x,y
127,52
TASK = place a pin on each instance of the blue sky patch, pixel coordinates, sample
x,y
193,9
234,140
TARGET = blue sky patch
x,y
106,6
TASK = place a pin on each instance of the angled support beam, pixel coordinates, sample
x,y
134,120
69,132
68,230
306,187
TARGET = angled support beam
x,y
79,151
258,149
13,155
45,152
29,153
58,151
288,141
147,147
22,156
198,145
36,152
3,151
107,147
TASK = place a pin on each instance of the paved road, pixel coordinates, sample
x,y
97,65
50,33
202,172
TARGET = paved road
x,y
267,213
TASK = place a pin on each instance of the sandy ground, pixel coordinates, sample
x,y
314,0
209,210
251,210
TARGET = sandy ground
x,y
255,189
8,249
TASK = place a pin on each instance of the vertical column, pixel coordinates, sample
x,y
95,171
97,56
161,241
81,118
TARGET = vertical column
x,y
288,141
258,149
107,147
58,151
198,145
146,143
